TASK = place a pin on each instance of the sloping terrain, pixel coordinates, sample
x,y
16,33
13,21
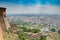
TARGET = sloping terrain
x,y
53,36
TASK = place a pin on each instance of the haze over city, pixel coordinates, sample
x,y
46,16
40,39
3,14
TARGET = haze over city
x,y
31,6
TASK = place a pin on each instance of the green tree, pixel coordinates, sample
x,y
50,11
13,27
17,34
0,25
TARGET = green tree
x,y
58,31
35,30
53,30
28,30
21,36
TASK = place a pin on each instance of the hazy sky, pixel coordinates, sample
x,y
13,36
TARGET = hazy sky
x,y
31,6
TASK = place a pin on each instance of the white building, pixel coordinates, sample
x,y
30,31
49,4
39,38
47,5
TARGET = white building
x,y
44,29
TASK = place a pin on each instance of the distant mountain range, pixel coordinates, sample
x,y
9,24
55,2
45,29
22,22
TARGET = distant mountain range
x,y
29,15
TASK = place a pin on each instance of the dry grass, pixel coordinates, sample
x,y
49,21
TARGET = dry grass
x,y
53,36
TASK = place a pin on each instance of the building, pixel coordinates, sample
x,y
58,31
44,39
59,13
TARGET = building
x,y
4,25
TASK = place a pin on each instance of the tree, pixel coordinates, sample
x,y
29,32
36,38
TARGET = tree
x,y
28,30
35,30
21,36
53,30
58,31
43,37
